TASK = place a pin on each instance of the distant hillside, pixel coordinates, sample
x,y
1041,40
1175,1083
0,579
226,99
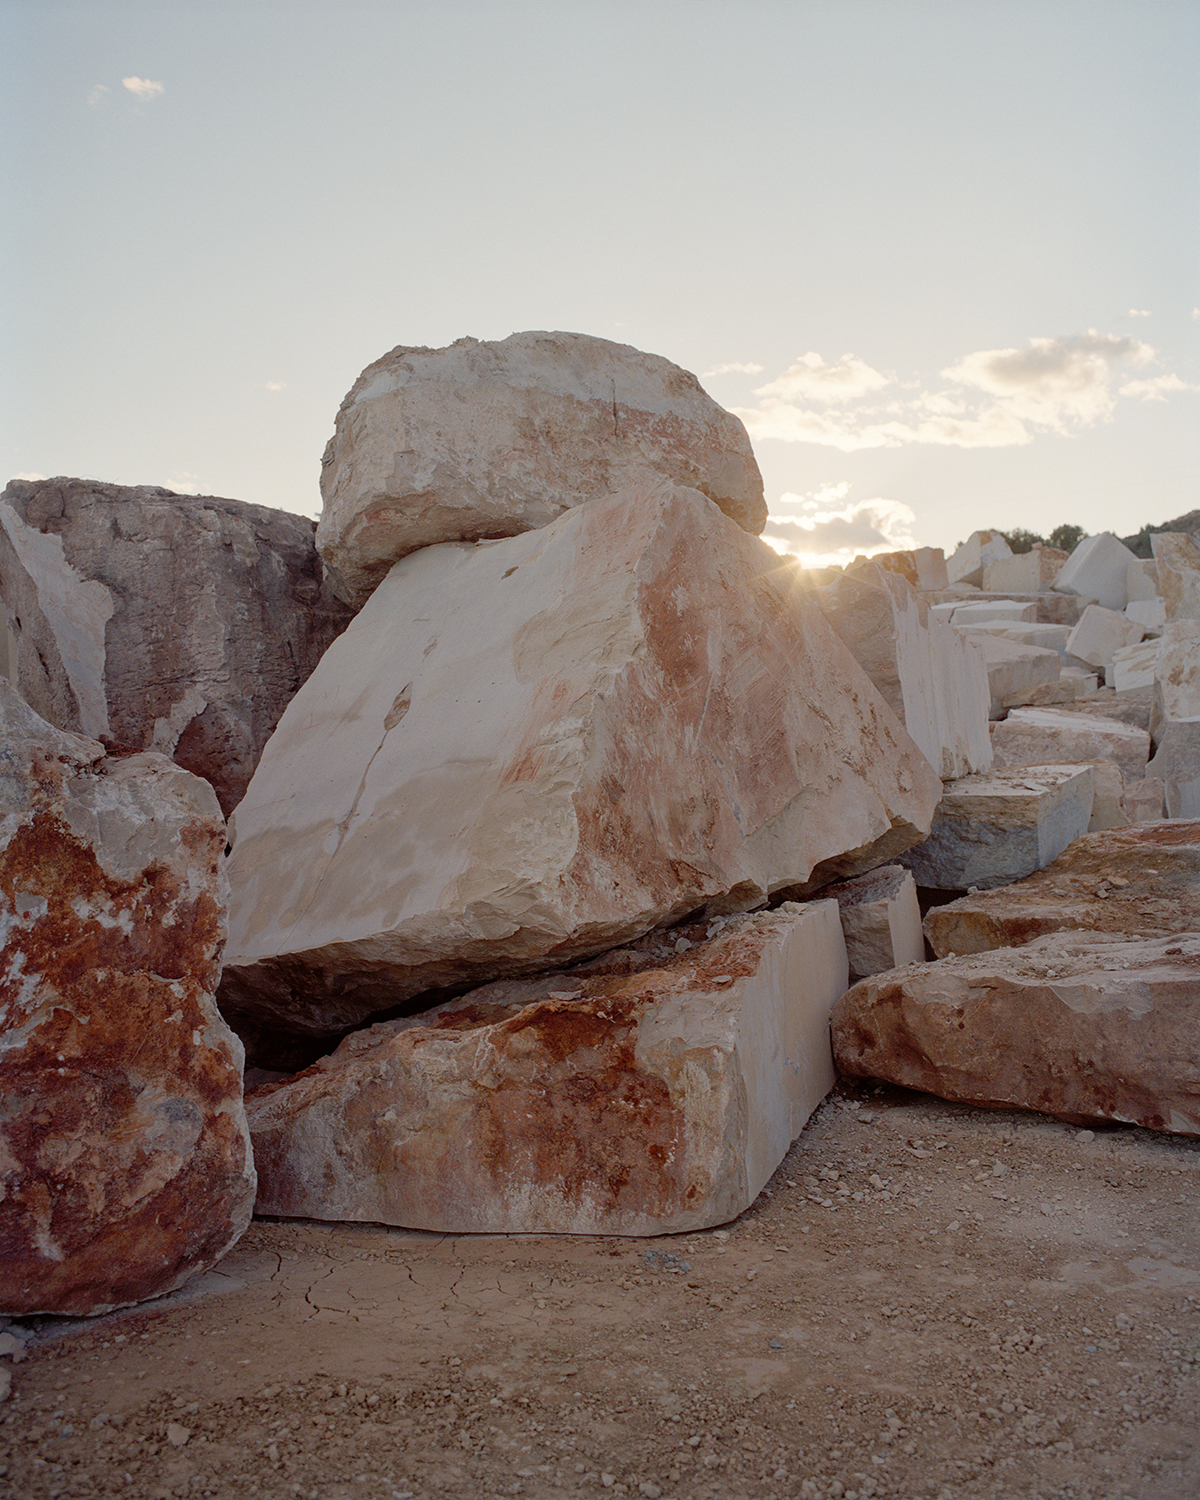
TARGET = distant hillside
x,y
1139,543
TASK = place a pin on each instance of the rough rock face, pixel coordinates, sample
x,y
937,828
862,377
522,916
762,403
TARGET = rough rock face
x,y
995,828
124,1156
1175,717
1177,560
933,680
653,1090
525,752
1139,881
1083,1026
1039,736
155,621
492,439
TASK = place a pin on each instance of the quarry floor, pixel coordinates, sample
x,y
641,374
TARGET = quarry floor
x,y
981,1304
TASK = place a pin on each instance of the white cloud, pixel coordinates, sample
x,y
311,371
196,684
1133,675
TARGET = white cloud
x,y
811,379
733,369
1135,312
828,531
1156,389
30,478
1054,382
184,483
143,88
275,385
96,93
996,398
1195,314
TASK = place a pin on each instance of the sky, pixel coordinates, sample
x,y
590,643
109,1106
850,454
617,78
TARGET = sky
x,y
941,258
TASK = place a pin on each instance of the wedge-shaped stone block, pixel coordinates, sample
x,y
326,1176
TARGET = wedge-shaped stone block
x,y
1098,569
124,1157
1141,581
1175,717
1014,671
1040,736
653,1090
1177,560
881,920
1101,633
1025,572
968,563
1139,881
931,679
155,621
992,829
527,751
491,439
1082,1026
1151,614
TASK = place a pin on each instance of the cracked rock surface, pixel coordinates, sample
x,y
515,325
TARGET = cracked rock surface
x,y
930,1300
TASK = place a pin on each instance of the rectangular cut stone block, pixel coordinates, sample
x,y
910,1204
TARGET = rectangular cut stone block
x,y
653,1090
1099,569
1032,633
968,562
1141,581
1013,671
989,830
928,676
991,610
1149,613
1132,667
1141,881
881,920
1177,561
1040,736
1100,633
1175,717
1030,571
524,752
1084,1026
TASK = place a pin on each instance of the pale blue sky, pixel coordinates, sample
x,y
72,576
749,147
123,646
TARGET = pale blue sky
x,y
198,272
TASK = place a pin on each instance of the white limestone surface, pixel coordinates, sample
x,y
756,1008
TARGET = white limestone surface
x,y
967,564
488,439
1044,736
1098,568
1132,667
1177,561
1100,633
1175,717
1014,670
526,751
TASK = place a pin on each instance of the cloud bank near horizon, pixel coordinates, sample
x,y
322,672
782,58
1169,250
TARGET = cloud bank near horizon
x,y
824,527
993,398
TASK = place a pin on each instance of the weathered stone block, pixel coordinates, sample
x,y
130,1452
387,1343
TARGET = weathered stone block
x,y
124,1157
881,920
1175,717
653,1090
1025,572
1139,881
486,440
525,752
1132,667
1042,736
1013,670
992,829
155,621
966,565
1082,1026
1177,562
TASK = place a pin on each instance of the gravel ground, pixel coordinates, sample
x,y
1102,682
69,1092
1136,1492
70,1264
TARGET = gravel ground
x,y
928,1301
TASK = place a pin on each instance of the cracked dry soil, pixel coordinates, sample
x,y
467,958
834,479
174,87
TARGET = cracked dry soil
x,y
929,1300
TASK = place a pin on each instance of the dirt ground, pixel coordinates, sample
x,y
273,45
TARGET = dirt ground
x,y
928,1301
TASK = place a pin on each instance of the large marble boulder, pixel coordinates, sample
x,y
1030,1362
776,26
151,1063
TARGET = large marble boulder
x,y
1085,1026
156,621
1040,736
125,1160
1175,717
1139,881
931,678
653,1090
491,439
1177,568
527,751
